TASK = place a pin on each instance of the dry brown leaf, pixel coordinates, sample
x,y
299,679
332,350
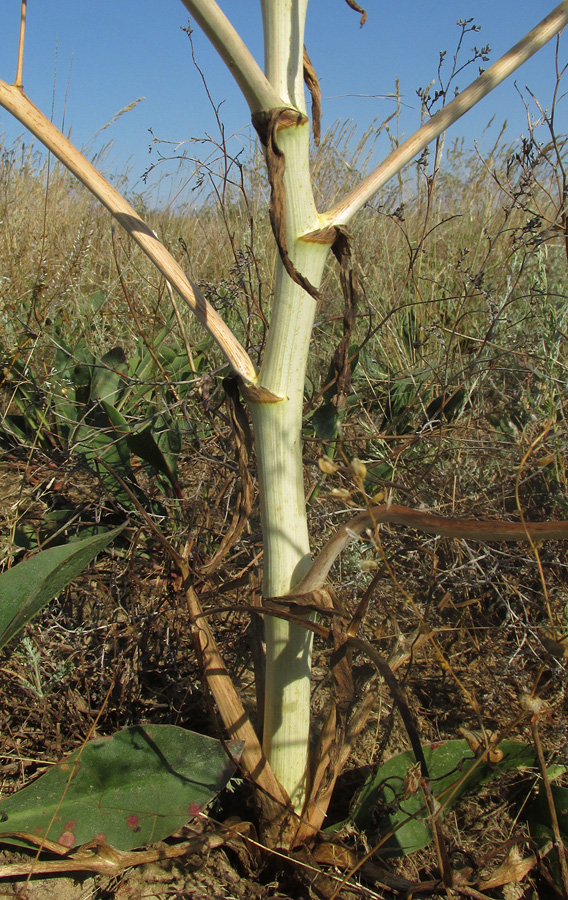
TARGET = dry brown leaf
x,y
313,86
359,9
267,124
513,870
342,363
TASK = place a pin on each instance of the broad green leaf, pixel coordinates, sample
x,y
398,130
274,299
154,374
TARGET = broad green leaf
x,y
168,440
393,801
540,822
128,790
144,444
29,536
14,427
67,410
96,302
108,378
83,374
378,474
96,439
325,421
28,586
179,370
539,818
446,405
403,401
64,361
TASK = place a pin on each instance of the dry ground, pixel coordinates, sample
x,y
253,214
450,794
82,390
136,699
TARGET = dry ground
x,y
117,648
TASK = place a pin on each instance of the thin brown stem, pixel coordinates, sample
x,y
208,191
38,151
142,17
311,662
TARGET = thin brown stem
x,y
558,841
469,529
20,66
233,714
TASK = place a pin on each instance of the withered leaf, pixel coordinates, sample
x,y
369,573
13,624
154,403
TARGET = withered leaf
x,y
342,251
359,9
313,86
266,124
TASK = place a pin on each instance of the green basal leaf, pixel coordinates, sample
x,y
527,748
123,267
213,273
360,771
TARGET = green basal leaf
x,y
28,586
394,806
325,422
146,443
108,377
539,817
128,790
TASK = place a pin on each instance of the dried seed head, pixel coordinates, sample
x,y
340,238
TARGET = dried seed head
x,y
368,565
533,705
478,743
341,494
378,497
359,469
327,466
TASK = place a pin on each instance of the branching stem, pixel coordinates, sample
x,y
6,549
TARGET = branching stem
x,y
254,85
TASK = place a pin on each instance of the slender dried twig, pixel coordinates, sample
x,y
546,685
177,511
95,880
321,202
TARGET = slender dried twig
x,y
105,860
558,840
472,529
20,66
235,719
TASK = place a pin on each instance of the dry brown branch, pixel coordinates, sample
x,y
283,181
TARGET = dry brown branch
x,y
103,859
235,719
469,529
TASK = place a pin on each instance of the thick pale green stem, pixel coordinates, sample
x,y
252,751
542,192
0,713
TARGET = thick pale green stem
x,y
256,88
283,22
278,426
278,436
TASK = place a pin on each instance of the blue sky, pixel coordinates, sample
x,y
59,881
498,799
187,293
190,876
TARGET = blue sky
x,y
92,59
